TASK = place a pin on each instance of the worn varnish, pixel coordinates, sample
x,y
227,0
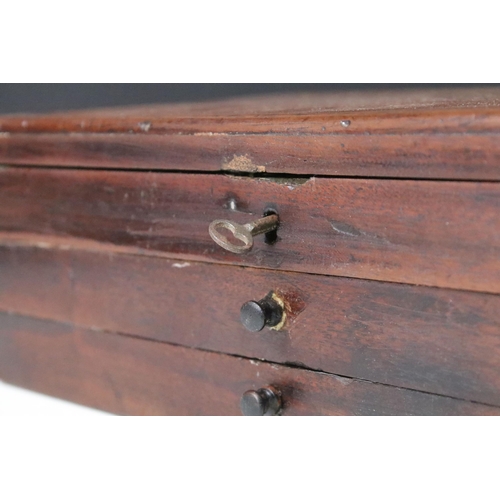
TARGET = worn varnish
x,y
418,232
438,134
440,341
456,156
113,294
135,377
405,111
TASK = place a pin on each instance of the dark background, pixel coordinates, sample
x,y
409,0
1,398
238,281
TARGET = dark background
x,y
16,98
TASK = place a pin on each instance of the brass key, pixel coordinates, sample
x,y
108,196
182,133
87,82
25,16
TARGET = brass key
x,y
242,232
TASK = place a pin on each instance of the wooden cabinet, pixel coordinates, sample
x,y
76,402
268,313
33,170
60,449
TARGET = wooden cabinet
x,y
386,263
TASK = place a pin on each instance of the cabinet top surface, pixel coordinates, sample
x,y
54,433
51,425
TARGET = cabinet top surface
x,y
285,113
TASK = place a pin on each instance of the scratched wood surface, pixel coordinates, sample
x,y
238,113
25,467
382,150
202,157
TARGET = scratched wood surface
x,y
130,376
70,239
441,134
440,341
418,232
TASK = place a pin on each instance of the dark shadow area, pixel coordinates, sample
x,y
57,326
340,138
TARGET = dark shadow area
x,y
38,98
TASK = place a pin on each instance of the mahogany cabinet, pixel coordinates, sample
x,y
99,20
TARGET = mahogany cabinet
x,y
372,288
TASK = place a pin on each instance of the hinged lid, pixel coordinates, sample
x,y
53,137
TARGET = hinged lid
x,y
436,134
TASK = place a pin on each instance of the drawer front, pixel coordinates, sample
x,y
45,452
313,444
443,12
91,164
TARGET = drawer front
x,y
422,155
434,340
135,377
420,232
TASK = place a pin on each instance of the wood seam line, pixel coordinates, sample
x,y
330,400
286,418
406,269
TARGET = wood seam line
x,y
249,175
238,356
25,240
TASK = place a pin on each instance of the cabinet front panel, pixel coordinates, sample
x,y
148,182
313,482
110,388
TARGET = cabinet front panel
x,y
418,232
434,340
130,376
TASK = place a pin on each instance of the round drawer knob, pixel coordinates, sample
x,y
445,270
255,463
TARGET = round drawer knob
x,y
255,315
261,403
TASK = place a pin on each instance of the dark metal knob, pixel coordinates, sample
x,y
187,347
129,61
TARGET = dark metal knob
x,y
266,312
261,403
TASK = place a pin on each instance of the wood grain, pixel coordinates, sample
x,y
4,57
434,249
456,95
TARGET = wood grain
x,y
418,232
425,156
129,376
391,111
434,134
439,341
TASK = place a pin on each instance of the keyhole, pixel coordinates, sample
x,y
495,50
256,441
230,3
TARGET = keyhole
x,y
271,237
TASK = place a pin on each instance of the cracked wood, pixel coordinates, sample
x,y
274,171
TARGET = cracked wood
x,y
417,232
435,134
439,341
130,376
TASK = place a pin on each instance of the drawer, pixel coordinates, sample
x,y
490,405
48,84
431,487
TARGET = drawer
x,y
418,232
434,340
130,376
